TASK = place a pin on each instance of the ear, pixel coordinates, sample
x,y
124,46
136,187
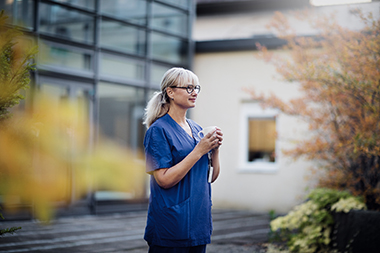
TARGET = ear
x,y
169,91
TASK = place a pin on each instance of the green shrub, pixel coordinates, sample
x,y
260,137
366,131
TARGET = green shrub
x,y
308,226
17,61
7,230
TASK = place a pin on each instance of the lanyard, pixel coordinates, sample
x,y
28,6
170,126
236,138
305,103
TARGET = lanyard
x,y
210,168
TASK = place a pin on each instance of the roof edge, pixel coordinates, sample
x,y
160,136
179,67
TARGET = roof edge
x,y
209,46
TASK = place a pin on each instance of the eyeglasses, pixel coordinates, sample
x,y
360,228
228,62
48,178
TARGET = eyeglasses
x,y
190,88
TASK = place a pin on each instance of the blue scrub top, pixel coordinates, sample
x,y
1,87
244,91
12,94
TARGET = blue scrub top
x,y
181,215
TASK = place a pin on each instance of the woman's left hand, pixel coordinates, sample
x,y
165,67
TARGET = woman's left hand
x,y
219,137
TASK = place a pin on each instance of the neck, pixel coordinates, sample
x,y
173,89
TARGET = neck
x,y
178,115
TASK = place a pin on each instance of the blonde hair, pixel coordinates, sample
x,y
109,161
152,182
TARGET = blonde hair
x,y
159,104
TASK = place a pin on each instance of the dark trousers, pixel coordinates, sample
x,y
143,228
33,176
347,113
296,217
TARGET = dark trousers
x,y
159,249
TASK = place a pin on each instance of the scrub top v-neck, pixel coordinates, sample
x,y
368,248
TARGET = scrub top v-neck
x,y
181,215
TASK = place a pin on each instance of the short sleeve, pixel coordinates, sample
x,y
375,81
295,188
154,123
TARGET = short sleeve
x,y
157,149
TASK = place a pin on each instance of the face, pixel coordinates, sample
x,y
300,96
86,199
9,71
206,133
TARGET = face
x,y
184,96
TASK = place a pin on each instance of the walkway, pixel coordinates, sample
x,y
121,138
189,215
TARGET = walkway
x,y
234,232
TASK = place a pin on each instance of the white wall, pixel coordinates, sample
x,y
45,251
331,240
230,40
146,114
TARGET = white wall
x,y
223,77
245,25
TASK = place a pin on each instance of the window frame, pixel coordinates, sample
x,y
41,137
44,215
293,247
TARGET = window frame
x,y
119,79
90,14
255,111
65,69
110,47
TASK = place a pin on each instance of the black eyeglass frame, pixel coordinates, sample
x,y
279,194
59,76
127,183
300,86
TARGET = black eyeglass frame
x,y
190,88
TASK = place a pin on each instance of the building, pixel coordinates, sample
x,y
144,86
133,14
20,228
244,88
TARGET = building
x,y
107,56
255,174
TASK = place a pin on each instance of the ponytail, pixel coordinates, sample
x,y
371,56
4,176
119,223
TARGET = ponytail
x,y
157,107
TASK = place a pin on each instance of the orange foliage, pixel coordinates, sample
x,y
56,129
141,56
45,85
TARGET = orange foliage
x,y
339,77
45,151
47,156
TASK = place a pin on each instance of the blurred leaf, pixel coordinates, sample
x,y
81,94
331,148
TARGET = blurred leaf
x,y
47,150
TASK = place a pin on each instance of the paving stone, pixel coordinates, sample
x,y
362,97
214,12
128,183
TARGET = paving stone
x,y
234,231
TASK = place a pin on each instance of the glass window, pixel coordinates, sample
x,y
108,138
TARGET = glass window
x,y
258,138
121,110
262,139
133,11
65,23
122,37
157,72
59,93
114,67
21,11
89,4
61,56
7,7
169,19
170,49
181,3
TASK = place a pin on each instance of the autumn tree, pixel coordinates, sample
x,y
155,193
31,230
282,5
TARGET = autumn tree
x,y
338,73
45,150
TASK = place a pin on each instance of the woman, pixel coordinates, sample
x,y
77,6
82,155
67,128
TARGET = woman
x,y
179,215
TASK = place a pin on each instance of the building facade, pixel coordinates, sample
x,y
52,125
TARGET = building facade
x,y
109,56
255,174
106,55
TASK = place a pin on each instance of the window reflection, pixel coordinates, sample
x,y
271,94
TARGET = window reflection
x,y
262,139
89,4
122,37
130,10
169,19
20,11
65,23
59,56
114,66
181,3
169,49
156,73
121,110
60,93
